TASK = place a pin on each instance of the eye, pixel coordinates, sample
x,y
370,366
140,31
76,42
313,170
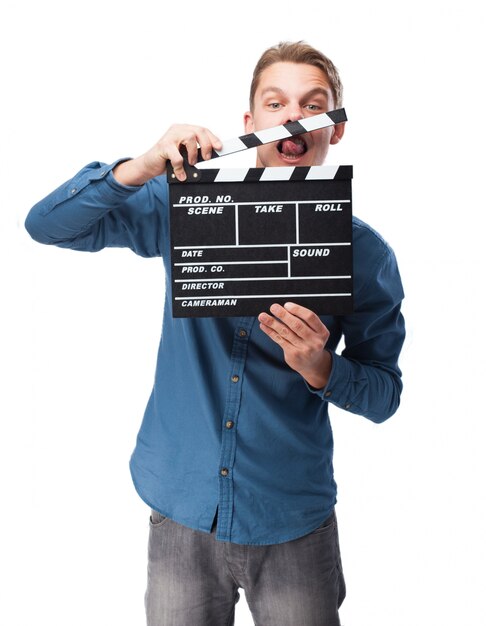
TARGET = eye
x,y
312,107
274,105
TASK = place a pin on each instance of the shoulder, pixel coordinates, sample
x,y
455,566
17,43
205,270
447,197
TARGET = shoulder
x,y
373,259
369,242
366,236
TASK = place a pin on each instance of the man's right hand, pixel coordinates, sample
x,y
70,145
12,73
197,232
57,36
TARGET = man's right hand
x,y
154,162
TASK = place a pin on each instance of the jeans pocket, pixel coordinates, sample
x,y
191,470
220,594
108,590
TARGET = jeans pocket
x,y
157,519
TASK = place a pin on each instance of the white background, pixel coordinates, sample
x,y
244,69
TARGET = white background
x,y
79,332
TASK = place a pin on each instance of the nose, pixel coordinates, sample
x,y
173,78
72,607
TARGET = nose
x,y
295,116
294,113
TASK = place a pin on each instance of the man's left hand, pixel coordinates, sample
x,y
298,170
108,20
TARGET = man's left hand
x,y
302,337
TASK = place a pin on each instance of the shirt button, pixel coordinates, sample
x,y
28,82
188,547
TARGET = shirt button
x,y
327,394
73,190
242,332
347,405
224,472
235,378
229,424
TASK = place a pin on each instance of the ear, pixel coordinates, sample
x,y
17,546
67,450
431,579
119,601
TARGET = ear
x,y
248,122
338,132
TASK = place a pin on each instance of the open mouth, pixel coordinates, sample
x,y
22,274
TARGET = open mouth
x,y
292,148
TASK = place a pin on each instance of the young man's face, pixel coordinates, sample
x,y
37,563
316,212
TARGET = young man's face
x,y
288,92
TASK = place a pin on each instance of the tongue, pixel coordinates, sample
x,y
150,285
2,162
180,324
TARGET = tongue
x,y
291,147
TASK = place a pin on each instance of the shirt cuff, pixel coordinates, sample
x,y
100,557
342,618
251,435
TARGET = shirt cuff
x,y
337,389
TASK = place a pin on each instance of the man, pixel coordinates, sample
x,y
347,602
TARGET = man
x,y
234,455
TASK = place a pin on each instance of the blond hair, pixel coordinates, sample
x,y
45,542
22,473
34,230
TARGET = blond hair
x,y
298,52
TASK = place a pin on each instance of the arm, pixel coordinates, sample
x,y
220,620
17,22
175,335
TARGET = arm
x,y
111,205
365,379
154,162
92,211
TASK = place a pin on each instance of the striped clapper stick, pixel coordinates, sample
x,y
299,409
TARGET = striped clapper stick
x,y
242,239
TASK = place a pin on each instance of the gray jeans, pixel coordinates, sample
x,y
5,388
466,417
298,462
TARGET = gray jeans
x,y
193,580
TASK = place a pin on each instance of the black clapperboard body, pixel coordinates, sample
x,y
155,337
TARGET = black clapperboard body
x,y
242,239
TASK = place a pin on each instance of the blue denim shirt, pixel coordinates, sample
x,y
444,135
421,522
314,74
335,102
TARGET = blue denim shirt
x,y
229,428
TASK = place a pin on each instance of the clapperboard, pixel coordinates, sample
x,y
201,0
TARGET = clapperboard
x,y
242,239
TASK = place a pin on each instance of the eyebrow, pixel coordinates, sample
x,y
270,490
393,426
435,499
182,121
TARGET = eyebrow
x,y
317,91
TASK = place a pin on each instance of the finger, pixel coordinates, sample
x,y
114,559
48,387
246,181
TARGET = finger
x,y
275,326
175,157
274,335
208,141
309,317
298,326
191,147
